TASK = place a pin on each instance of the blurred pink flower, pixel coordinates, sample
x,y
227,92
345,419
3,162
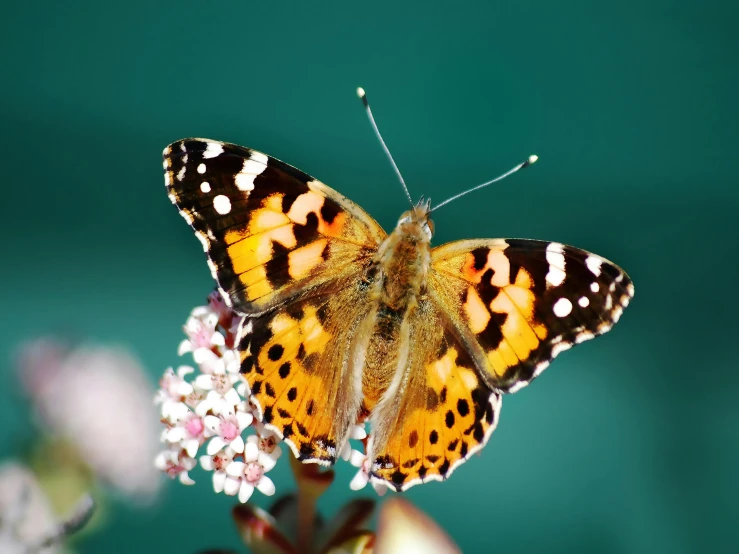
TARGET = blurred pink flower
x,y
99,399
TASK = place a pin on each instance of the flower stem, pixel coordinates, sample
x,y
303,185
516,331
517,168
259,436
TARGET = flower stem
x,y
306,520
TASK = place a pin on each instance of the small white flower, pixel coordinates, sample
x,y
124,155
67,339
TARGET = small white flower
x,y
244,477
217,463
201,332
224,404
267,444
357,432
360,480
176,463
173,389
189,432
228,429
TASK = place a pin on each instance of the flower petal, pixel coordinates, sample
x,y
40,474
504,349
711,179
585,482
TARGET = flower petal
x,y
185,479
212,422
266,486
244,419
219,480
215,444
204,382
235,469
237,444
175,434
191,447
206,462
357,432
251,452
357,458
184,347
232,397
359,481
231,486
245,491
184,370
266,461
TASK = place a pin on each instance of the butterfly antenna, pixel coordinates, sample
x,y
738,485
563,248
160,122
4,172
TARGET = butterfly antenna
x,y
511,171
363,96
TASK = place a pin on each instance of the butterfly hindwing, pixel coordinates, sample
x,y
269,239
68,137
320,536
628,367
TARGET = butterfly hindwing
x,y
518,303
296,361
270,231
441,414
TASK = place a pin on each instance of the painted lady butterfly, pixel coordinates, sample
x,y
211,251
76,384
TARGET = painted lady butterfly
x,y
346,322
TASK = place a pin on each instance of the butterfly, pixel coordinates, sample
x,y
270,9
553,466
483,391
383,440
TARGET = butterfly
x,y
345,322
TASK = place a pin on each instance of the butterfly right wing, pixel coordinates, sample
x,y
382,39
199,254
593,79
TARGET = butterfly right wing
x,y
271,232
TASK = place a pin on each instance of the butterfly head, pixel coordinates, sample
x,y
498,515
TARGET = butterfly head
x,y
417,219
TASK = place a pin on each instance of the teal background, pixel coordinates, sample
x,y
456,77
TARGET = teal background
x,y
629,443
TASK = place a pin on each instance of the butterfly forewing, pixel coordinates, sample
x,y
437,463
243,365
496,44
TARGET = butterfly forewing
x,y
518,303
271,232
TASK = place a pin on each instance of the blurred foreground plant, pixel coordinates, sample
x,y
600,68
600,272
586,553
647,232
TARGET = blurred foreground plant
x,y
95,435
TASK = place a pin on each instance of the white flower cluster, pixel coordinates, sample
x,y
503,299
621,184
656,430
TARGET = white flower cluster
x,y
210,404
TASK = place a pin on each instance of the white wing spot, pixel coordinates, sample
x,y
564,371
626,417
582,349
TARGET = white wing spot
x,y
253,166
562,307
212,150
584,302
595,287
205,186
556,261
181,174
201,168
593,264
222,204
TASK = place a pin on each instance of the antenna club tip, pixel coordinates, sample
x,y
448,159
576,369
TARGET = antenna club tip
x,y
533,158
361,93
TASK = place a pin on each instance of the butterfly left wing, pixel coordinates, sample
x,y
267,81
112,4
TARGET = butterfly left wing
x,y
496,313
271,232
518,303
440,413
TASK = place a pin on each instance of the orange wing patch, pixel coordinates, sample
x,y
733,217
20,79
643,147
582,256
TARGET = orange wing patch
x,y
498,306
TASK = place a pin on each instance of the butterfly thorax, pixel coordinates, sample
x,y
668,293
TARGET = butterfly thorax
x,y
404,258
